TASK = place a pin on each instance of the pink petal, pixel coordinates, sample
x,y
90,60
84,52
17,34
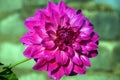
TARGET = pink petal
x,y
95,37
61,58
84,49
41,32
87,29
85,60
50,27
52,35
31,22
55,18
76,59
52,66
68,68
91,46
50,54
51,6
93,54
25,39
77,21
31,38
79,11
79,70
33,51
62,6
41,64
84,36
57,74
76,46
28,51
70,12
43,15
64,20
50,45
70,52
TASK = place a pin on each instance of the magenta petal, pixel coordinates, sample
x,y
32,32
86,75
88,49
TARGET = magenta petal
x,y
55,18
70,12
28,51
78,21
34,51
84,36
57,74
95,37
93,54
70,52
31,38
64,20
52,66
50,45
61,58
79,70
50,54
25,39
62,6
40,65
85,60
76,59
31,22
41,32
50,27
68,68
91,46
87,29
51,6
76,46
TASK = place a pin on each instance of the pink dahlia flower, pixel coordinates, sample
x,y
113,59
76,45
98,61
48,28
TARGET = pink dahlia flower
x,y
60,40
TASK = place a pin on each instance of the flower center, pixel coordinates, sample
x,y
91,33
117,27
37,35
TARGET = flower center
x,y
65,37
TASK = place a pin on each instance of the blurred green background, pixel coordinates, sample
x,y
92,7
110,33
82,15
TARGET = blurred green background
x,y
104,14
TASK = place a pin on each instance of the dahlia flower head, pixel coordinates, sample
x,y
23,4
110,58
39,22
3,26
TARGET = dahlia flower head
x,y
60,40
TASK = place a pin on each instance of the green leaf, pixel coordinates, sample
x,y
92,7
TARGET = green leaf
x,y
7,74
1,64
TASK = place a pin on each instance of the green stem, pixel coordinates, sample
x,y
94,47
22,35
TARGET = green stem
x,y
19,62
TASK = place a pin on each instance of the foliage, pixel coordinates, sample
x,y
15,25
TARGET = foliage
x,y
6,73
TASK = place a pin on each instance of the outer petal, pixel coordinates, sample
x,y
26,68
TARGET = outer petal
x,y
41,64
62,7
51,6
93,53
70,12
95,37
68,68
31,38
78,21
31,22
91,46
58,73
55,17
85,32
79,70
85,60
34,51
76,59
